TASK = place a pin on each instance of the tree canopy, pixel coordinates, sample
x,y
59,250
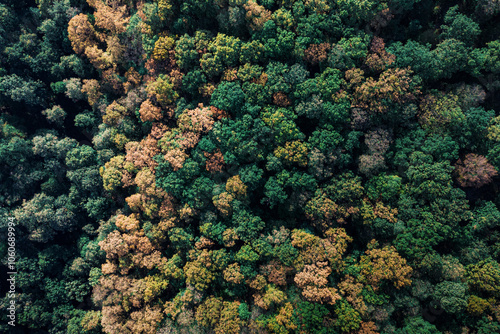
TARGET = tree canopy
x,y
251,166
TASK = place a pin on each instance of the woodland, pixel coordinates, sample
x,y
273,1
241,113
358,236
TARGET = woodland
x,y
251,166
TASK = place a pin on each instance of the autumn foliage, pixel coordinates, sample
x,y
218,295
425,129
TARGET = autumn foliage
x,y
474,171
251,166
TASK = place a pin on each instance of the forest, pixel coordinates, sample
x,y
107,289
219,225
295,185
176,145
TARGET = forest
x,y
250,166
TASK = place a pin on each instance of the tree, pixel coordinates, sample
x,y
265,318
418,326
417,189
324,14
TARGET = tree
x,y
193,81
460,27
294,152
162,47
418,325
362,11
81,33
313,282
188,49
223,51
371,164
441,114
256,15
162,90
451,296
418,57
149,112
348,52
348,319
56,115
451,55
247,226
242,140
475,171
74,88
281,122
229,319
385,264
310,316
378,58
317,53
430,200
17,89
228,97
385,187
393,87
253,52
484,276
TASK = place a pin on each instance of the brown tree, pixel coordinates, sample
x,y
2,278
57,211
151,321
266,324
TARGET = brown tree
x,y
384,264
129,302
196,120
91,87
370,164
313,249
351,290
317,53
474,171
256,15
112,18
378,140
276,272
215,161
313,280
149,112
281,99
368,328
378,59
81,33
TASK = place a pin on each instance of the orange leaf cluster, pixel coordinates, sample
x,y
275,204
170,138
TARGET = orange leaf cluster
x,y
313,281
385,264
149,112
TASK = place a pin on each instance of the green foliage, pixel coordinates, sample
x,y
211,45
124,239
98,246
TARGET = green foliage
x,y
451,296
348,319
229,97
247,225
309,317
459,26
348,52
243,311
192,82
484,277
418,325
16,89
384,187
223,51
242,141
81,156
186,49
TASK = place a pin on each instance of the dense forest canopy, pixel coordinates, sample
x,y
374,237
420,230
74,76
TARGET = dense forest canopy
x,y
251,166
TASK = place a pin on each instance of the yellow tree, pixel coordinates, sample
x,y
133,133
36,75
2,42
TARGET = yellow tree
x,y
384,264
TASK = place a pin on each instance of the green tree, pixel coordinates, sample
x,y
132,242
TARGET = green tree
x,y
451,296
460,27
229,97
